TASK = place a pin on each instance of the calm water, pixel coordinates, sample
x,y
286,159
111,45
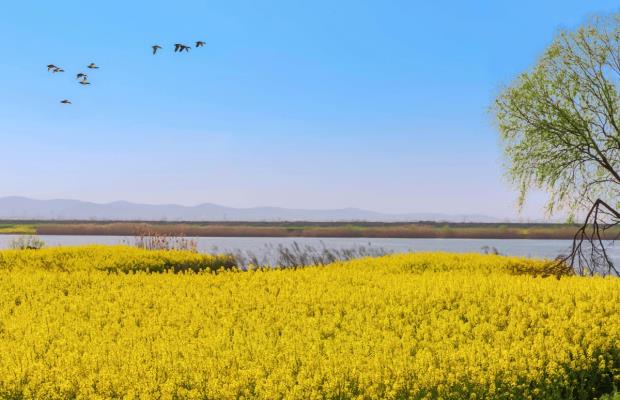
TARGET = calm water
x,y
264,247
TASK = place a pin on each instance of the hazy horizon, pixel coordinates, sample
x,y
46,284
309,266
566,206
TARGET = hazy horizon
x,y
377,106
20,207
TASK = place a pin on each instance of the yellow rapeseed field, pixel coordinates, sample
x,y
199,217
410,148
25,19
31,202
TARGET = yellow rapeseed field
x,y
110,259
420,326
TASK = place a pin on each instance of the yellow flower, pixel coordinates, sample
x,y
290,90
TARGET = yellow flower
x,y
91,322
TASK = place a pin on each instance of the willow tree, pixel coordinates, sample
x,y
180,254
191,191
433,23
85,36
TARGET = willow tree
x,y
560,129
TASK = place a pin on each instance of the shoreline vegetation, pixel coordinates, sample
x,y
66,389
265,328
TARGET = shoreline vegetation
x,y
300,229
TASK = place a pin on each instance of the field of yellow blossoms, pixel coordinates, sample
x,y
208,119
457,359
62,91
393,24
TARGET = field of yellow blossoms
x,y
104,322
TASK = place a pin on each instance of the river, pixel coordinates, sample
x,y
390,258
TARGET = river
x,y
264,247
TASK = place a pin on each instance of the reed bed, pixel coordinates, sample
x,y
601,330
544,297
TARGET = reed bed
x,y
306,229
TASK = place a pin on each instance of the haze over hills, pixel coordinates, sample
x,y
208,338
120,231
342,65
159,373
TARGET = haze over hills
x,y
62,209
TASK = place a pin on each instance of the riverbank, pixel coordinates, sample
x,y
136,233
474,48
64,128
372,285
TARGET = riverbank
x,y
268,250
298,229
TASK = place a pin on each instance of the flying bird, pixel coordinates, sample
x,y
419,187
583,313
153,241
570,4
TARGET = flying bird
x,y
155,48
84,81
178,47
66,102
81,75
200,43
51,67
92,66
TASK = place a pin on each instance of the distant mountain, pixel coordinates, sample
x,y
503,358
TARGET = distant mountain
x,y
60,209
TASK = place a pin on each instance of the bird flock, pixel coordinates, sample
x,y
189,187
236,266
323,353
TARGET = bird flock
x,y
82,78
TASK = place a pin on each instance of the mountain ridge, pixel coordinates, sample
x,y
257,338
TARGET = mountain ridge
x,y
25,208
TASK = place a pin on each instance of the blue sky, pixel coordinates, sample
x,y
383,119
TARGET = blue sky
x,y
315,104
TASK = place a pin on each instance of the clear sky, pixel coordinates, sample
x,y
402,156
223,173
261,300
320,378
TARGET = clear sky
x,y
308,104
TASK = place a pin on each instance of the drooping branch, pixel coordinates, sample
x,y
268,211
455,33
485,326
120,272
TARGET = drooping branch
x,y
589,255
560,130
